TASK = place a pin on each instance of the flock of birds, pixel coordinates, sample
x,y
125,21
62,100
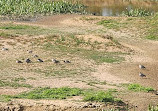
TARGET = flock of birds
x,y
141,74
40,60
65,61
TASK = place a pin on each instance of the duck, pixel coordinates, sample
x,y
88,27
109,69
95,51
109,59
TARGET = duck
x,y
4,49
29,51
142,67
39,60
18,61
141,74
67,61
55,61
28,60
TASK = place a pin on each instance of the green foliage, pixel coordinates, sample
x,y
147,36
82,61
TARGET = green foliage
x,y
71,44
100,96
51,93
13,84
4,98
109,24
137,87
152,26
64,92
19,79
5,35
97,56
152,37
30,8
153,108
15,27
137,12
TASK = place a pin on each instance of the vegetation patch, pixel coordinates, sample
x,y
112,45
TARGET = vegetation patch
x,y
59,72
15,27
31,8
139,12
97,56
65,92
111,24
101,96
13,84
153,108
137,87
6,35
51,93
19,79
152,27
4,98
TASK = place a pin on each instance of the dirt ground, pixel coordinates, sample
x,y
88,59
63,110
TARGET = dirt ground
x,y
142,51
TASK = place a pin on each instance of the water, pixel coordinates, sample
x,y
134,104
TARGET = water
x,y
115,7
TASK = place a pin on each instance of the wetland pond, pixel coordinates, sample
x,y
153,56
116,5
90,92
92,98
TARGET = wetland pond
x,y
115,7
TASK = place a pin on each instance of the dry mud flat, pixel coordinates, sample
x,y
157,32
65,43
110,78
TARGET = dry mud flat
x,y
141,51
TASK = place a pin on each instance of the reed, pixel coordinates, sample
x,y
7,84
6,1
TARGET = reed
x,y
137,12
31,8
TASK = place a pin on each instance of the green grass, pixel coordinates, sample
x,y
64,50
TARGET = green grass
x,y
137,87
59,72
12,30
65,92
137,13
51,93
152,27
4,98
101,96
153,108
18,79
13,84
111,24
97,56
15,27
31,8
6,35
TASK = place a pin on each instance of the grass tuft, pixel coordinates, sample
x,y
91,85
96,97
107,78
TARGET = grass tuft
x,y
137,13
51,93
101,96
137,87
111,24
13,84
153,108
4,98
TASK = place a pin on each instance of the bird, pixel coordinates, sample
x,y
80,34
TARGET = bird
x,y
141,74
35,55
55,61
67,61
39,60
4,49
28,60
142,67
18,61
29,51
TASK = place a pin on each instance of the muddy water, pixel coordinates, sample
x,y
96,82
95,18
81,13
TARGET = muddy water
x,y
115,7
